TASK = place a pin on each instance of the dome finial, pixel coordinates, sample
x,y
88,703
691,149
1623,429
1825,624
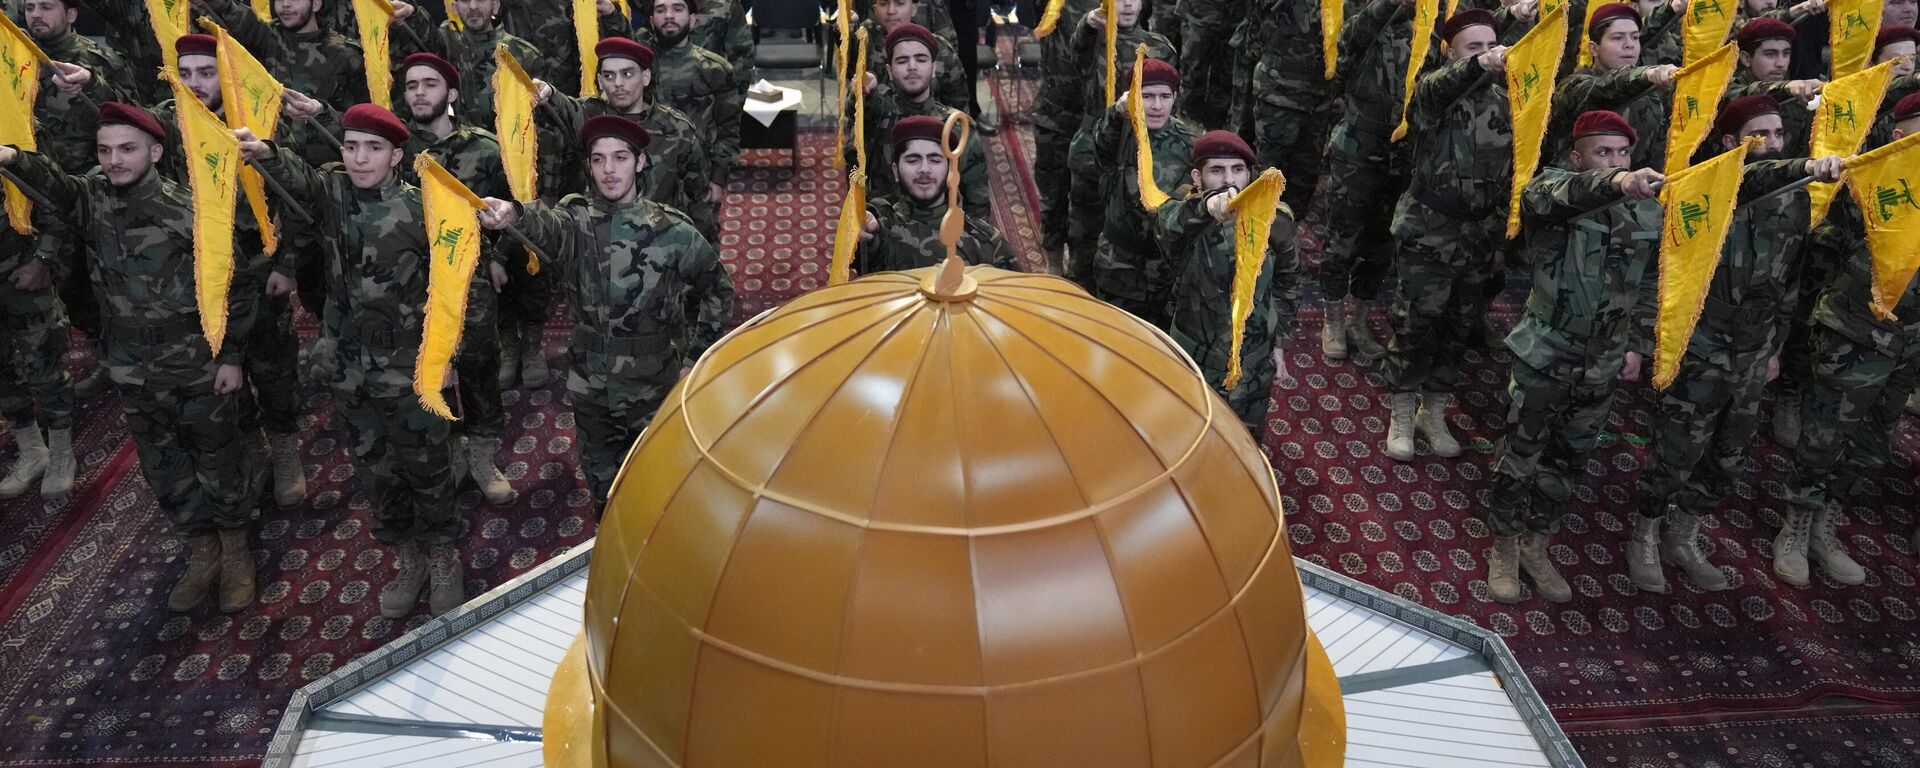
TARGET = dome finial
x,y
951,282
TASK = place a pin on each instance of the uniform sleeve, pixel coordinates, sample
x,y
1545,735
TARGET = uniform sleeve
x,y
1358,34
1113,127
727,108
712,291
308,188
1283,258
872,251
67,193
975,200
953,89
564,114
550,228
1438,90
1607,90
260,39
1762,178
1177,222
1561,196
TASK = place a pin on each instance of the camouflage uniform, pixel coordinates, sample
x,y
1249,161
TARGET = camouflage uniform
x,y
191,447
1201,250
1450,223
1365,169
1166,15
909,238
1290,90
934,15
1056,116
677,174
1085,159
1134,274
1206,77
323,64
632,271
471,52
34,324
1795,118
950,84
699,83
1592,296
130,33
548,25
1627,92
1660,41
472,155
64,128
1710,413
886,106
722,28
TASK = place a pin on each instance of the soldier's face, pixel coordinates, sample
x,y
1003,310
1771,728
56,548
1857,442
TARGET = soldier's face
x,y
1757,8
1127,13
1772,133
1157,102
295,14
1768,61
427,94
623,82
911,68
893,13
922,169
1618,46
614,166
477,14
1470,42
201,74
1899,13
1216,173
125,153
369,159
48,19
670,19
1900,53
1592,153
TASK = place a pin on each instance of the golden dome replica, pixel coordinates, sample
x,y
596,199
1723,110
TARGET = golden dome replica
x,y
929,519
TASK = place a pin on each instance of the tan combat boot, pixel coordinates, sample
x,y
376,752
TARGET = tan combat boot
x,y
1826,549
29,465
60,464
1431,422
236,570
1333,332
533,357
449,579
1790,548
1400,427
289,477
1680,546
1546,579
1503,569
398,596
1360,339
1643,555
509,354
203,569
492,484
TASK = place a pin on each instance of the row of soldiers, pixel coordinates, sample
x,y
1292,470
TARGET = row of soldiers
x,y
631,180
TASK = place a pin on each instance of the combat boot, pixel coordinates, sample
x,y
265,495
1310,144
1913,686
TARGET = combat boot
x,y
60,464
1546,579
509,354
1333,332
289,477
1643,555
449,580
29,465
1826,549
1680,545
92,385
1786,420
533,358
1431,422
236,570
203,569
1790,548
1400,428
398,596
1503,569
323,361
480,463
1360,340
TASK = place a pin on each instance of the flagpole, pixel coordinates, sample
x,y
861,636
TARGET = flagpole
x,y
1658,184
1615,204
324,133
292,202
28,190
522,237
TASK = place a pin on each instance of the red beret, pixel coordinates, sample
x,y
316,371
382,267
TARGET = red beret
x,y
196,45
1221,144
915,32
1892,35
1603,123
1472,17
624,48
1597,25
1158,72
116,113
445,68
1908,108
1736,113
614,126
371,118
1762,29
920,127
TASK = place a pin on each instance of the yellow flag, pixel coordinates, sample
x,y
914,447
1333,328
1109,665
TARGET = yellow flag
x,y
1847,108
1150,195
170,21
1586,53
1333,14
20,59
853,208
1253,211
513,100
1113,43
1049,18
376,16
213,165
1704,28
453,18
1883,183
251,97
842,18
1851,27
1424,12
1532,66
453,242
1696,98
1699,208
263,10
586,36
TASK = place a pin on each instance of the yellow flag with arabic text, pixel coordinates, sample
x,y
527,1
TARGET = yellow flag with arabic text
x,y
1883,183
453,246
20,59
1586,53
1253,212
853,207
513,100
376,18
213,174
1704,28
1333,14
1696,99
1846,114
1851,28
251,97
170,20
1424,13
586,37
1150,195
1699,205
1533,64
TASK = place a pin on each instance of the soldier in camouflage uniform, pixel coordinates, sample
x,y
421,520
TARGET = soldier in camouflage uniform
x,y
1450,223
697,81
903,232
470,49
633,268
950,84
301,54
722,28
935,16
1195,229
548,25
1585,325
1863,369
179,400
1056,117
1711,411
1205,29
1133,273
1615,83
34,323
1290,90
909,65
376,261
130,33
1766,55
1089,189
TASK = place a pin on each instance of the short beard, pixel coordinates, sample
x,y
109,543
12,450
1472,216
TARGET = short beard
x,y
674,41
438,110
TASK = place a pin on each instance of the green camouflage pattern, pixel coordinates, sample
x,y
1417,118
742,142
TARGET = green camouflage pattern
x,y
471,52
1628,92
676,176
472,155
1133,272
130,33
64,126
1089,74
950,84
885,107
909,238
699,83
1365,169
548,26
34,331
323,64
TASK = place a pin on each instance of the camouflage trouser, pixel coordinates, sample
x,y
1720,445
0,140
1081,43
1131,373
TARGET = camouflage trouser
x,y
1702,434
310,277
1206,76
1361,188
1245,57
1051,178
34,325
1251,399
1288,133
1087,213
76,289
1439,296
1852,404
1555,419
193,453
271,365
1132,281
525,298
612,409
478,371
400,453
1166,19
1796,355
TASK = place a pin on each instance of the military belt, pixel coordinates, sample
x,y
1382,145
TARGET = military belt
x,y
625,346
161,331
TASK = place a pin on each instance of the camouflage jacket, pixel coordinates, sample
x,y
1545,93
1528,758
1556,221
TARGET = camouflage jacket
x,y
1292,67
886,106
469,152
950,84
909,238
65,126
699,83
1090,64
1463,136
1129,226
1627,91
1660,41
322,64
633,271
1059,91
376,257
1846,304
472,53
130,32
935,16
1751,300
140,239
1200,251
676,176
1882,131
548,26
1373,66
1593,279
722,28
